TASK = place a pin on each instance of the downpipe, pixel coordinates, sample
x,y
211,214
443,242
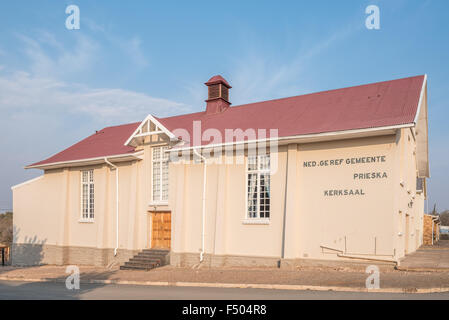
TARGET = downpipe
x,y
203,203
341,254
116,204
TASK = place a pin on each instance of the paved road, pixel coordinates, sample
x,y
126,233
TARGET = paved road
x,y
52,290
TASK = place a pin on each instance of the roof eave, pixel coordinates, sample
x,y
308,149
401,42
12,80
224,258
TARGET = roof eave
x,y
315,137
87,161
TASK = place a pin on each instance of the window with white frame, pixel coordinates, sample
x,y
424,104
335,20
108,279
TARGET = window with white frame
x,y
258,184
160,174
87,195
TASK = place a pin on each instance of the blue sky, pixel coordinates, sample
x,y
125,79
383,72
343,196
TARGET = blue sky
x,y
129,59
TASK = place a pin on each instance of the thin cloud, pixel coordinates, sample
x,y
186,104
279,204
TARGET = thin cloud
x,y
50,57
259,76
132,46
22,92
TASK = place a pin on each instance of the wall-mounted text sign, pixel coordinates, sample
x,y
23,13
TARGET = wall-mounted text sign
x,y
348,161
355,176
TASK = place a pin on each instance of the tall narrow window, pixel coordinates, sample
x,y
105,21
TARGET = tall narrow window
x,y
87,195
258,177
160,174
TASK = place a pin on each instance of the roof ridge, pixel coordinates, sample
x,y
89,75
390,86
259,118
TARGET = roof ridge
x,y
276,99
179,115
325,91
121,125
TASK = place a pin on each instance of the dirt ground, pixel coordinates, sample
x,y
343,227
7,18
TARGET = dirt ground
x,y
311,276
428,258
426,268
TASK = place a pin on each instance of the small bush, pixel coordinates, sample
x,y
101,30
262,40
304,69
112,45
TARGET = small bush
x,y
6,228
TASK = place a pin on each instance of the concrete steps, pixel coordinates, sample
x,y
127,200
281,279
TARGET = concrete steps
x,y
147,259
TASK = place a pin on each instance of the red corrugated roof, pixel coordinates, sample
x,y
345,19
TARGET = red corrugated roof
x,y
106,142
374,105
380,104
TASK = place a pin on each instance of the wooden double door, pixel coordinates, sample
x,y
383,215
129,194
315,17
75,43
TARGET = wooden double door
x,y
160,230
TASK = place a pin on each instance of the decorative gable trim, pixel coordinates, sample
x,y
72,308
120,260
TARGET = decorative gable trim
x,y
149,126
421,95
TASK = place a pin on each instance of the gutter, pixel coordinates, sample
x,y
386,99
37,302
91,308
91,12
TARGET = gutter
x,y
82,162
203,205
433,232
434,221
116,204
323,136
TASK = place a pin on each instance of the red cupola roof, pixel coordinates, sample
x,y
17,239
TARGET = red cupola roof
x,y
217,79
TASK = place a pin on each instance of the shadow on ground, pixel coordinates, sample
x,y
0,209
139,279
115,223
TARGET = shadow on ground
x,y
54,289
